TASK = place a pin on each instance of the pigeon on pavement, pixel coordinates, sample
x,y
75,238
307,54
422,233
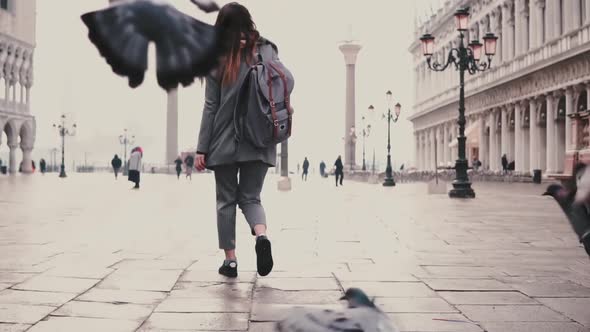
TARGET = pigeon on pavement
x,y
361,316
186,48
573,200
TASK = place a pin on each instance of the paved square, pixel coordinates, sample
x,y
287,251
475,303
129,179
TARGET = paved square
x,y
88,254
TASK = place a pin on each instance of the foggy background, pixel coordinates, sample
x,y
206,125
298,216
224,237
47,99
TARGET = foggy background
x,y
72,78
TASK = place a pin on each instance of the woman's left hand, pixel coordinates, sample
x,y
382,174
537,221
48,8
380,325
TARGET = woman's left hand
x,y
200,162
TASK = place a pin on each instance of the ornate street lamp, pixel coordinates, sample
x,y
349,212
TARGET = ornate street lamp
x,y
366,133
389,181
63,132
464,59
125,141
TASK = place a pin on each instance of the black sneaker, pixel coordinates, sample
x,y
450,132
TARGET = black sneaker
x,y
229,269
264,261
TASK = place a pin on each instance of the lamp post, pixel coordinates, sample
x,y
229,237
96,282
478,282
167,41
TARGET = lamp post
x,y
125,141
389,181
63,132
366,133
464,59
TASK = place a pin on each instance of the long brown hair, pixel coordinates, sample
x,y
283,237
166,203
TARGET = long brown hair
x,y
234,23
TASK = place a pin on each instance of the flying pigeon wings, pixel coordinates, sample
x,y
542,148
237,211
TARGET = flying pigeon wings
x,y
185,47
347,320
207,6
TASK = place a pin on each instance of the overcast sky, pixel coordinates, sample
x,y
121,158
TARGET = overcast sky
x,y
71,78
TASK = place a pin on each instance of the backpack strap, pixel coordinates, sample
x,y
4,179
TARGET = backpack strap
x,y
273,106
286,94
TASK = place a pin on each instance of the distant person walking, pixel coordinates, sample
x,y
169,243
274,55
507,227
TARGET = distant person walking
x,y
189,162
43,166
178,163
322,168
305,169
135,166
504,164
116,163
339,170
298,168
240,168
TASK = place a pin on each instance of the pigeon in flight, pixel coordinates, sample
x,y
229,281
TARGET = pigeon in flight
x,y
186,48
574,201
361,316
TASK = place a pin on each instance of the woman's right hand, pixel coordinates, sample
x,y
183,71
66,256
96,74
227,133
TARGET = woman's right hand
x,y
200,162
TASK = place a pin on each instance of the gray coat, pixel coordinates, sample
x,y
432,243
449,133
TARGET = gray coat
x,y
217,134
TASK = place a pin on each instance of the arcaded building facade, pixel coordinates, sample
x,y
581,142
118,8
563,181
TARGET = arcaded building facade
x,y
532,105
17,43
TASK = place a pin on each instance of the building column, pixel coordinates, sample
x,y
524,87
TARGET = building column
x,y
493,155
519,25
550,12
350,52
172,127
446,148
568,15
576,14
12,162
432,165
533,136
508,30
496,28
425,150
504,139
483,151
440,145
27,160
533,24
569,109
551,135
539,26
518,139
587,21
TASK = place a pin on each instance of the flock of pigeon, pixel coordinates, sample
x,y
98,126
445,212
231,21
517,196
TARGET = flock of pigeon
x,y
186,49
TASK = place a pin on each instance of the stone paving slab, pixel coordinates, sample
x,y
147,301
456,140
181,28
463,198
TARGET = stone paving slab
x,y
122,311
53,299
574,308
433,264
489,298
434,322
533,327
53,324
197,321
6,327
511,313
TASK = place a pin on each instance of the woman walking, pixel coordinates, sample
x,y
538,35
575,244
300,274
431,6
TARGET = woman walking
x,y
239,168
135,166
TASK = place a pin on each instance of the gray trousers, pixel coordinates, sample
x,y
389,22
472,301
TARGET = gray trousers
x,y
243,192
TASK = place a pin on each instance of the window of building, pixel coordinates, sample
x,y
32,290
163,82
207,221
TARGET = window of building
x,y
4,4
